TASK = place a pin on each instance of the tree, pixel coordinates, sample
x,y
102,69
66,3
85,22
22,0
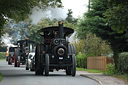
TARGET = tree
x,y
70,18
95,46
19,10
117,15
95,22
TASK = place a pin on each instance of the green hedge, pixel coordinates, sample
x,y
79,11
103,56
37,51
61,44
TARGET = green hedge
x,y
1,77
123,62
110,69
81,61
2,55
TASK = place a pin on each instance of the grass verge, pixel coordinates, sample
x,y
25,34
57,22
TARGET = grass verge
x,y
89,70
1,77
2,59
121,76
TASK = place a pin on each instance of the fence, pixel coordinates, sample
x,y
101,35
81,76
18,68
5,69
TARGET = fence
x,y
99,63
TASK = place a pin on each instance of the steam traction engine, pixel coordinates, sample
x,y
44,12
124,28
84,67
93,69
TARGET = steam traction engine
x,y
11,57
21,53
55,52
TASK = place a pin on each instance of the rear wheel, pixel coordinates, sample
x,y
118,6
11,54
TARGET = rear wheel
x,y
16,62
73,65
46,65
27,68
9,61
68,68
73,50
38,64
71,70
31,69
37,61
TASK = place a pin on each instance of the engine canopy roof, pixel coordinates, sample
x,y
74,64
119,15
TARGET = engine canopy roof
x,y
66,30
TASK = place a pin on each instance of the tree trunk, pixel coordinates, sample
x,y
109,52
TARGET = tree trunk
x,y
88,5
115,57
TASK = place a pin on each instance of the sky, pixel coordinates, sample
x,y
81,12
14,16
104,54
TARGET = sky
x,y
78,6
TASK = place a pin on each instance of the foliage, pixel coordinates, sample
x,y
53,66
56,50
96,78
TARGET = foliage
x,y
3,49
95,46
95,22
19,10
2,55
110,69
1,76
92,46
17,31
79,47
117,15
89,70
81,60
68,24
123,62
70,18
122,76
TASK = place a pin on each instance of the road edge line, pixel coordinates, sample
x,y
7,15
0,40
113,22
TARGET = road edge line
x,y
83,75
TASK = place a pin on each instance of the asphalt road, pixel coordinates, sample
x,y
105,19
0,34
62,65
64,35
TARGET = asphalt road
x,y
20,76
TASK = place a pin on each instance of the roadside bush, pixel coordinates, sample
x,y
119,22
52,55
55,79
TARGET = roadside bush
x,y
123,62
1,76
81,60
110,69
2,55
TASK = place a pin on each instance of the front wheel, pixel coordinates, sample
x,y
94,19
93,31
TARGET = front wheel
x,y
73,65
46,65
68,70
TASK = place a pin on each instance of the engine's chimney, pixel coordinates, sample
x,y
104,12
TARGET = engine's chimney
x,y
60,29
27,41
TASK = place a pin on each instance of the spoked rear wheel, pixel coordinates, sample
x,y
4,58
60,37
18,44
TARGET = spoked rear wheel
x,y
9,61
17,61
71,70
37,61
73,65
46,65
38,65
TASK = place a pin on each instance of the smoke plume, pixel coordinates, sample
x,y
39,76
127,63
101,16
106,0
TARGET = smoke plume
x,y
51,13
6,39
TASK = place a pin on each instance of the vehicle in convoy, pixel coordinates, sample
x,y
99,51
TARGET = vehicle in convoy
x,y
21,52
55,52
11,55
30,62
7,53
